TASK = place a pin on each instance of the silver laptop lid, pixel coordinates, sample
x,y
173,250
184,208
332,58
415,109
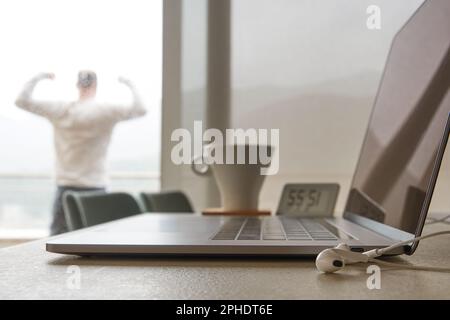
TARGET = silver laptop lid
x,y
401,154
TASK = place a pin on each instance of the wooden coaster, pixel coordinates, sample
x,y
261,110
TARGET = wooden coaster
x,y
222,212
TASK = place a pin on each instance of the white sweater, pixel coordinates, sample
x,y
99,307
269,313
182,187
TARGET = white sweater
x,y
82,132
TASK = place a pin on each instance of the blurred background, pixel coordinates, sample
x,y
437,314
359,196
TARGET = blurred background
x,y
111,37
309,68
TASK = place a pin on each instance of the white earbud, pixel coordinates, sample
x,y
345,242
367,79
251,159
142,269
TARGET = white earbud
x,y
329,261
335,259
332,260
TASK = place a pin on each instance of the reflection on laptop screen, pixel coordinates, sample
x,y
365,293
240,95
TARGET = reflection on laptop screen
x,y
407,123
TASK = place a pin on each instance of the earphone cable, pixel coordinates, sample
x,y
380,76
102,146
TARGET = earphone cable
x,y
400,244
407,266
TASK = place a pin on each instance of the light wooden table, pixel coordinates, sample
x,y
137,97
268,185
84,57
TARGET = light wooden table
x,y
27,271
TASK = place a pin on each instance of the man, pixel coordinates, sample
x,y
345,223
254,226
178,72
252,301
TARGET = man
x,y
82,133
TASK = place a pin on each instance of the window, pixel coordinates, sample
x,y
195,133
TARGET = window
x,y
111,37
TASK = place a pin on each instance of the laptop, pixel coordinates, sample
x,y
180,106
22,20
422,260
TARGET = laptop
x,y
391,189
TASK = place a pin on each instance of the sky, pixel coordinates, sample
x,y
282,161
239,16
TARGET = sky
x,y
114,38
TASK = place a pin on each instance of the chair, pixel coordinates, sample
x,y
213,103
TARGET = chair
x,y
172,201
85,209
71,211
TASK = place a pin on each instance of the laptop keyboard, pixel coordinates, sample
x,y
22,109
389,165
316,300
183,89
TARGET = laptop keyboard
x,y
273,229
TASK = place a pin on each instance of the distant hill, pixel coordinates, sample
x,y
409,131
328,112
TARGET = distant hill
x,y
318,123
321,126
335,111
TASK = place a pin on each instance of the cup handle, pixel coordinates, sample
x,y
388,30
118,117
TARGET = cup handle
x,y
200,169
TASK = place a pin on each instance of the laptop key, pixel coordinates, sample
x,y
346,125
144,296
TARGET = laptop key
x,y
293,229
280,237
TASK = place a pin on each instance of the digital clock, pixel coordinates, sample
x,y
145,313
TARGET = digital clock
x,y
308,199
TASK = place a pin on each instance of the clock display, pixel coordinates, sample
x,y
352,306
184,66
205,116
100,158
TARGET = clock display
x,y
308,199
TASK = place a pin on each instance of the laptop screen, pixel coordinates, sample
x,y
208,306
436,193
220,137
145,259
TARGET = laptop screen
x,y
407,122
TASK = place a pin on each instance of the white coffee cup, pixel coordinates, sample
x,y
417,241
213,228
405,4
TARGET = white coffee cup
x,y
239,176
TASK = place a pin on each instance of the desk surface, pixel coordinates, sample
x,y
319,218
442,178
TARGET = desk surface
x,y
27,271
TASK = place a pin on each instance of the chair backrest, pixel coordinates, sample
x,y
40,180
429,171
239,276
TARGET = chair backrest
x,y
100,207
71,211
172,201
